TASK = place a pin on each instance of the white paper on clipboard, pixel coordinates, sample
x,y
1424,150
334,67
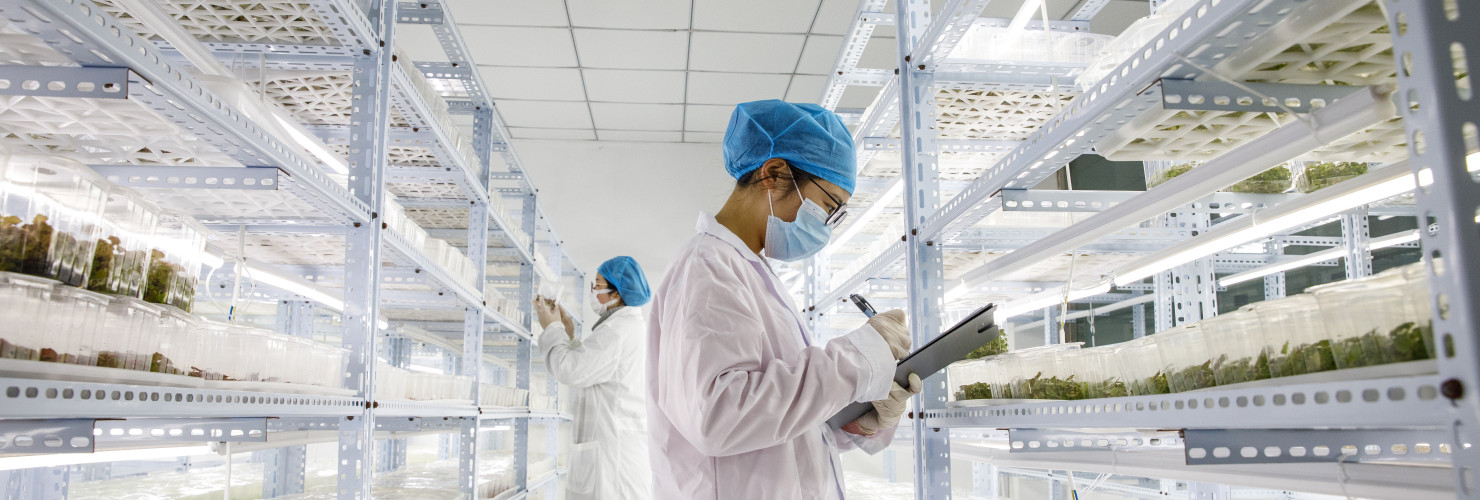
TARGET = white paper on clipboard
x,y
952,346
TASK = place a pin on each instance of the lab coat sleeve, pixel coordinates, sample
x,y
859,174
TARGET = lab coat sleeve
x,y
715,389
580,364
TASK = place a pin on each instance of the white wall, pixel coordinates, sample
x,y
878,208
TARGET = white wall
x,y
625,198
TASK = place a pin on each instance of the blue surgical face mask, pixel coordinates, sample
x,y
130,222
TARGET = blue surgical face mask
x,y
799,239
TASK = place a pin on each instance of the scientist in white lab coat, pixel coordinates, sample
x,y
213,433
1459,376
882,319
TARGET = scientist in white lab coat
x,y
738,393
609,455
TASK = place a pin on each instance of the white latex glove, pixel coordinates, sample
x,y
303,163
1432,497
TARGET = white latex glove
x,y
890,325
886,412
544,311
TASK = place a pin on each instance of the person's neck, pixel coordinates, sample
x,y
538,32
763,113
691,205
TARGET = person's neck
x,y
738,216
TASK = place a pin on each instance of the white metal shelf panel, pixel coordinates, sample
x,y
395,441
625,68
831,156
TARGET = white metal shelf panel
x,y
1339,43
26,398
425,409
1404,402
80,31
258,21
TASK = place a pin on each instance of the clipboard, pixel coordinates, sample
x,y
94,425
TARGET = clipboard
x,y
959,340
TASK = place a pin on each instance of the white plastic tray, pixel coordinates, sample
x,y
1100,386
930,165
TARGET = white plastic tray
x,y
236,385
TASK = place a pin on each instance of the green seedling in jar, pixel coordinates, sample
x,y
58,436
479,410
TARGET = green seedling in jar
x,y
1054,388
1110,388
24,248
1303,359
1408,341
993,348
1323,174
1155,384
1273,181
1193,377
1241,370
979,390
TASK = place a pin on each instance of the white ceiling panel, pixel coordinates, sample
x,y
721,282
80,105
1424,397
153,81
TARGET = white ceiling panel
x,y
543,114
1117,16
624,116
835,17
616,85
547,84
820,54
745,52
520,46
629,14
806,88
703,136
856,96
505,12
734,88
553,133
639,136
627,49
707,118
419,43
878,54
768,16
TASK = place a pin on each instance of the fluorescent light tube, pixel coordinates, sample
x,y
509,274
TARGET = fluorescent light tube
x,y
62,459
295,285
1025,14
1378,185
1391,240
1048,298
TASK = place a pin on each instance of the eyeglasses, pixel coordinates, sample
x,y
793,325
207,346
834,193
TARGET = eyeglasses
x,y
838,214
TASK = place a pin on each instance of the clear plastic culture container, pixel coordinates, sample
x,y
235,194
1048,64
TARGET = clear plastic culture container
x,y
74,321
273,365
1185,359
179,342
50,214
1236,343
175,261
215,351
1371,321
1418,294
972,378
24,301
131,324
121,257
1318,175
1102,371
1140,366
1295,338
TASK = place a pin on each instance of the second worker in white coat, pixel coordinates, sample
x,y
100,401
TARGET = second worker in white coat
x,y
609,455
739,391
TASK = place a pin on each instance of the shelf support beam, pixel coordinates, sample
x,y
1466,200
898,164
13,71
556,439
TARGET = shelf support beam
x,y
1430,44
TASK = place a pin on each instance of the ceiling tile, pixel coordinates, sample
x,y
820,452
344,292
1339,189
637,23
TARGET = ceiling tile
x,y
546,84
806,88
707,118
616,85
536,46
623,116
735,88
630,14
745,52
627,49
552,133
639,136
768,16
703,136
505,13
544,114
819,55
419,43
878,54
857,96
835,17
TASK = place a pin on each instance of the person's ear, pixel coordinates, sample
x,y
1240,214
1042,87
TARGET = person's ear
x,y
770,171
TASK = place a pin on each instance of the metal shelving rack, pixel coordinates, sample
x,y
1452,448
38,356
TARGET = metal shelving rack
x,y
1253,429
374,109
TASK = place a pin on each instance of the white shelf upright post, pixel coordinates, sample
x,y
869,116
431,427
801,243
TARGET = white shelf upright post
x,y
473,328
367,167
525,348
925,262
1431,44
1356,242
283,468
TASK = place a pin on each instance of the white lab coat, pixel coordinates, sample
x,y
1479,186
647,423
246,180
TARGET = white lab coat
x,y
609,452
738,399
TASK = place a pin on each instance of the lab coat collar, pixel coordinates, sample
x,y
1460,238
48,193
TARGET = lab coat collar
x,y
708,225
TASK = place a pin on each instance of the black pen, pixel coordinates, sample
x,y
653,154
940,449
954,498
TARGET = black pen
x,y
863,305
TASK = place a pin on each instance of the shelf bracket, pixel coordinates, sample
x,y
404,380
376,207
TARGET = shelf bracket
x,y
64,81
1268,446
1057,440
420,13
242,178
1264,98
192,430
70,435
